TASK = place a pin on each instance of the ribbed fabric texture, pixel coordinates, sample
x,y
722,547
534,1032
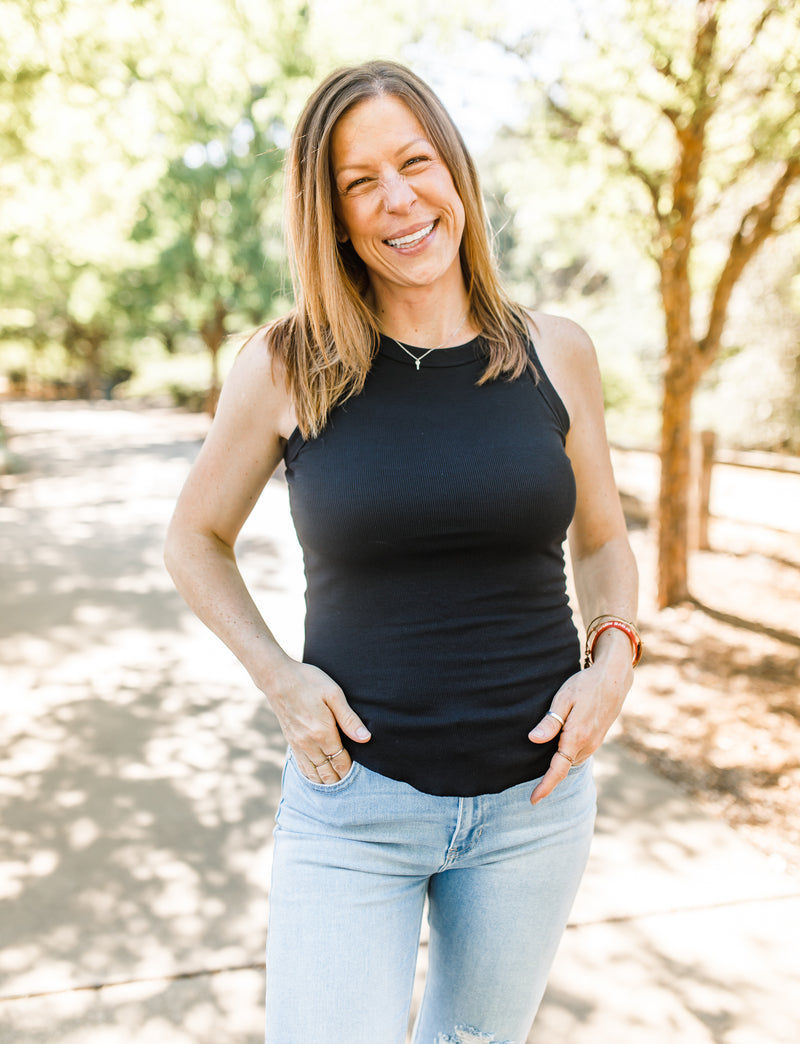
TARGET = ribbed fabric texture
x,y
432,515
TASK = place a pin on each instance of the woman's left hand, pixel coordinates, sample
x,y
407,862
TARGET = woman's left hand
x,y
589,702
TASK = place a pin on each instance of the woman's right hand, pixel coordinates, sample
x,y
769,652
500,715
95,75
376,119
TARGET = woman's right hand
x,y
313,712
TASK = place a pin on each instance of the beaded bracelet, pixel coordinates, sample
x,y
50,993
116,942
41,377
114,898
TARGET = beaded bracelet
x,y
605,623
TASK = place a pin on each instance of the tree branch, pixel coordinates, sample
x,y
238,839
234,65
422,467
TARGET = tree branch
x,y
729,70
705,46
757,225
691,130
612,140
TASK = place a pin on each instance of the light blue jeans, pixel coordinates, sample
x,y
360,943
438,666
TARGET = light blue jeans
x,y
353,865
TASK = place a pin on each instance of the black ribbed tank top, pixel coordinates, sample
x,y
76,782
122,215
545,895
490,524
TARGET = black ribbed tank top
x,y
432,515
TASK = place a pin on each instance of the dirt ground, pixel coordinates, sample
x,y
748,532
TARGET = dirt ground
x,y
716,704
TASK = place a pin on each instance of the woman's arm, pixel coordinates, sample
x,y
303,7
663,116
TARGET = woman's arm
x,y
604,568
244,446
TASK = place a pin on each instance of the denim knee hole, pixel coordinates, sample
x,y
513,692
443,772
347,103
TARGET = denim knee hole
x,y
467,1035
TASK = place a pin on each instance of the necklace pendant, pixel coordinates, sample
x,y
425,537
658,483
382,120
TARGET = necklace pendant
x,y
418,358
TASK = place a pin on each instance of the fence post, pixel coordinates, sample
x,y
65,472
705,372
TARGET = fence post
x,y
700,495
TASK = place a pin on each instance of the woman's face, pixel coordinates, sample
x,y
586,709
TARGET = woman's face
x,y
394,198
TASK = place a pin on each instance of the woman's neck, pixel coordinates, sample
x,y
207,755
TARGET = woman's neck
x,y
425,320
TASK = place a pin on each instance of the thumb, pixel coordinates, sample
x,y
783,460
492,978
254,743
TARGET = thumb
x,y
547,729
347,719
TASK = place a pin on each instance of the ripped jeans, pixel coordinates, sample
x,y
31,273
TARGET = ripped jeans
x,y
354,863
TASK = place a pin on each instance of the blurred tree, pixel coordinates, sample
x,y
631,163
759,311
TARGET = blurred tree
x,y
61,302
694,104
97,98
73,157
119,115
753,400
209,230
210,227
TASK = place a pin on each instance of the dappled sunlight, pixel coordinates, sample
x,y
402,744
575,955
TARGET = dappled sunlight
x,y
681,977
215,1007
142,829
663,865
140,766
654,853
639,173
715,705
141,770
676,939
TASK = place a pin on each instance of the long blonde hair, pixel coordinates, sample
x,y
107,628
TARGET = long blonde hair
x,y
327,342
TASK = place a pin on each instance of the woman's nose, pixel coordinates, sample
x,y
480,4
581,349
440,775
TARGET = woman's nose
x,y
399,196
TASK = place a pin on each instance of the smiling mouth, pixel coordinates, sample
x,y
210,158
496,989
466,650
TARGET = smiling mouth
x,y
414,238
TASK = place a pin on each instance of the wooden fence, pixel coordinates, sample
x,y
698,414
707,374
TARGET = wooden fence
x,y
767,493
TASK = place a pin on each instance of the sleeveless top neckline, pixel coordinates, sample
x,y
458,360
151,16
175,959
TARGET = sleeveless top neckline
x,y
458,355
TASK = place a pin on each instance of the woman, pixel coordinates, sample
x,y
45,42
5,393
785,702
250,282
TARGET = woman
x,y
439,440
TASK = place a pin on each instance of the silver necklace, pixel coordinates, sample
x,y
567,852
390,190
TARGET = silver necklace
x,y
418,358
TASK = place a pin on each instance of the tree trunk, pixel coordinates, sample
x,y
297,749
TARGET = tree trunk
x,y
94,357
213,333
212,396
673,502
85,342
680,381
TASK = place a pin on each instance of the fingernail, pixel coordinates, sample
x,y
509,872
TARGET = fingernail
x,y
362,733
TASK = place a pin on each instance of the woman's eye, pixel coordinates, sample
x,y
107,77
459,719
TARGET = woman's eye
x,y
355,184
416,159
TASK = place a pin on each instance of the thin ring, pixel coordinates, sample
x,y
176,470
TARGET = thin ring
x,y
558,717
563,755
330,757
317,764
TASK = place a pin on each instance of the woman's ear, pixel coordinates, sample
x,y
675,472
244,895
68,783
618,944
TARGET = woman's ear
x,y
341,235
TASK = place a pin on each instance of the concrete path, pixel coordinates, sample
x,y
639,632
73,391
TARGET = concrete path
x,y
139,774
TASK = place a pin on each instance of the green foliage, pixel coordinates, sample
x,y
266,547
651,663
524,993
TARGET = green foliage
x,y
140,152
140,145
204,233
105,103
646,132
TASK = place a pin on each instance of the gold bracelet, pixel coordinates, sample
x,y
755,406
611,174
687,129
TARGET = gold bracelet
x,y
605,623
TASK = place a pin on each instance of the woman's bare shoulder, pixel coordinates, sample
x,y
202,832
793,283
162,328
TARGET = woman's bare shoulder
x,y
257,385
555,335
258,357
567,355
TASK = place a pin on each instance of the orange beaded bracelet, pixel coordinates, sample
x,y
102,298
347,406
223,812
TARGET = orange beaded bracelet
x,y
605,623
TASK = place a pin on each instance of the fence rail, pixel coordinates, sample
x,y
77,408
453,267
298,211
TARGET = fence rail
x,y
750,487
759,459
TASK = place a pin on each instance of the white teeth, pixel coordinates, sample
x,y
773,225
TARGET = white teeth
x,y
415,237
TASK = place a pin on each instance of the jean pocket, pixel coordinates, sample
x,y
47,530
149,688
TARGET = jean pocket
x,y
326,788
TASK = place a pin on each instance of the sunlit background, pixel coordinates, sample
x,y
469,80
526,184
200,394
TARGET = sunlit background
x,y
641,170
141,174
